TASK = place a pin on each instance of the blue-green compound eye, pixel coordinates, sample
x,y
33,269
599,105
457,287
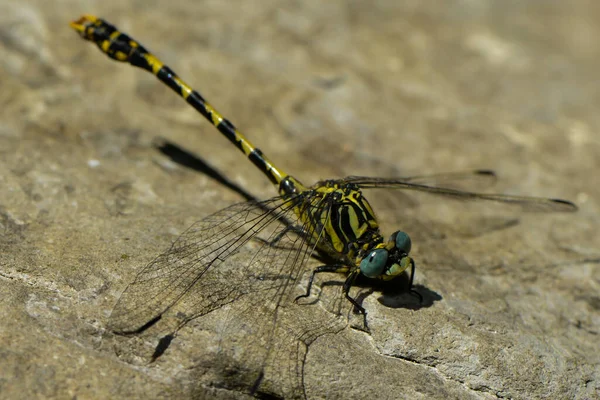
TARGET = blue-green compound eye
x,y
373,264
403,242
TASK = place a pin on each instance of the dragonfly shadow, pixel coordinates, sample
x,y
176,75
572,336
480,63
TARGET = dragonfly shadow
x,y
396,294
186,159
162,346
393,294
403,299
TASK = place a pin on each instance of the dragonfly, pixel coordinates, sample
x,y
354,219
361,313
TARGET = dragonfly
x,y
331,220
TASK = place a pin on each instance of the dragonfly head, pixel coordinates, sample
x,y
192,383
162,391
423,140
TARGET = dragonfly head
x,y
388,259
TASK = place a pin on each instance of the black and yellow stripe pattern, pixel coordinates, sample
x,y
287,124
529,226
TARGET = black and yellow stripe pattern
x,y
332,215
119,46
339,219
349,223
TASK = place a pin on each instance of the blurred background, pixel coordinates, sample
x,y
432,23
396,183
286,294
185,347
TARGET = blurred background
x,y
325,89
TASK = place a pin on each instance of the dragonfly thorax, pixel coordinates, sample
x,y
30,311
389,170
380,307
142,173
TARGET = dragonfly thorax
x,y
343,218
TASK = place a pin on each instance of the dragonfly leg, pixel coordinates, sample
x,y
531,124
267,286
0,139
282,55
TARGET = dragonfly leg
x,y
346,288
322,268
347,285
410,283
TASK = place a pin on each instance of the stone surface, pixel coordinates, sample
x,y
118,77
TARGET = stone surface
x,y
327,89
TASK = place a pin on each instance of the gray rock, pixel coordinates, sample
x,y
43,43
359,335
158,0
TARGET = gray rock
x,y
326,89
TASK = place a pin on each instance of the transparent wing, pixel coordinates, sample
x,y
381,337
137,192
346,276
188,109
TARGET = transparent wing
x,y
191,266
464,180
445,185
249,257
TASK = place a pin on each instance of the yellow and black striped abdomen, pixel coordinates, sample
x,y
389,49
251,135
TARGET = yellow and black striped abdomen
x,y
119,46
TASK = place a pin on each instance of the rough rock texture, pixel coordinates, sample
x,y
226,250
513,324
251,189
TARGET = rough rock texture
x,y
327,89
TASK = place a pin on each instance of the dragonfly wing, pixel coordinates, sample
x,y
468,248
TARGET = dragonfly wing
x,y
196,264
464,180
254,252
441,186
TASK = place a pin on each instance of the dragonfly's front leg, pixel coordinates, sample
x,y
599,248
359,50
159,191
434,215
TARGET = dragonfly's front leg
x,y
339,268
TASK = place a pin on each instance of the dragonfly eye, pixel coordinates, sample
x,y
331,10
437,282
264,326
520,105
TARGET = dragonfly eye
x,y
403,242
374,263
